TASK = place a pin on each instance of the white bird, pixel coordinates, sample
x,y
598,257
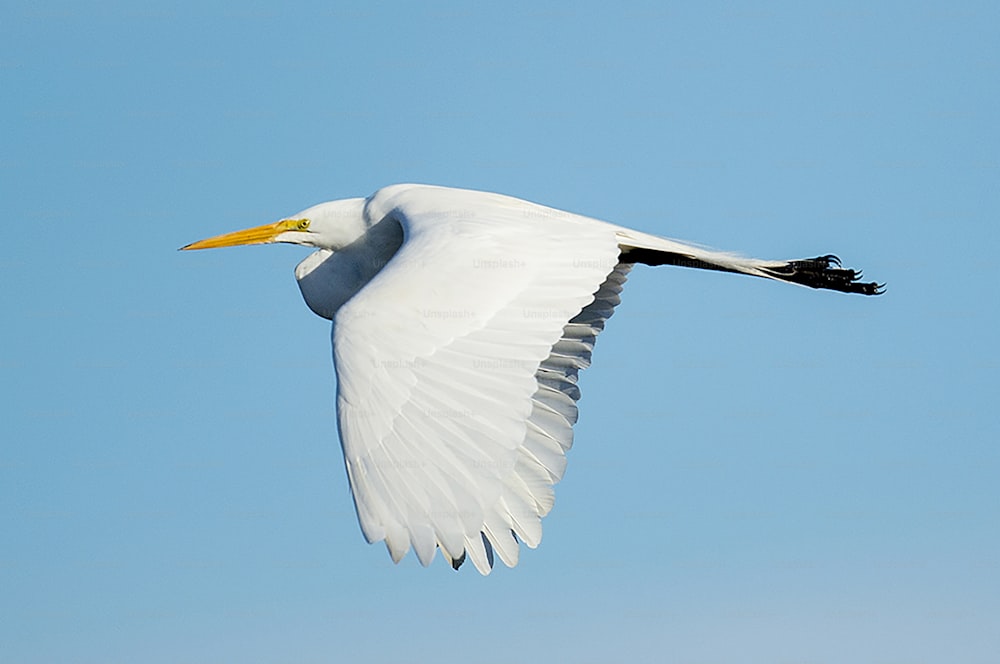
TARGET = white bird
x,y
461,320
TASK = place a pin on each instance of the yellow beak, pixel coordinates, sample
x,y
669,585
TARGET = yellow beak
x,y
257,235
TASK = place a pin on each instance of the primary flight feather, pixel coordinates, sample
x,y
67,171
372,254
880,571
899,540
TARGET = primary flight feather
x,y
461,320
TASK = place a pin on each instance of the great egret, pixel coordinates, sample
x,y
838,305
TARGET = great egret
x,y
461,320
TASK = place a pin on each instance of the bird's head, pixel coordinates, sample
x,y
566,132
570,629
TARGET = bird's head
x,y
331,225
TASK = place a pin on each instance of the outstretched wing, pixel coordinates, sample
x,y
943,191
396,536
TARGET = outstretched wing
x,y
456,369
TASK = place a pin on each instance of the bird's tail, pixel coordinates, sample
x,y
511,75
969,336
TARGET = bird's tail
x,y
821,272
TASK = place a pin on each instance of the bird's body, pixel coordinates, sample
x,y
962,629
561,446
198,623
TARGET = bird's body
x,y
461,320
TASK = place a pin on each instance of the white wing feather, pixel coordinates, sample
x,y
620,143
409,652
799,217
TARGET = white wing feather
x,y
456,369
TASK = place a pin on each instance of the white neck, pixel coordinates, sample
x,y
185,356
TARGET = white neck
x,y
328,278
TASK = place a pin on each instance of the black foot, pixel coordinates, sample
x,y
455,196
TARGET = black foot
x,y
825,272
457,562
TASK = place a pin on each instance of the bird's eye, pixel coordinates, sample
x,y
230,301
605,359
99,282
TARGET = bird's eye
x,y
303,225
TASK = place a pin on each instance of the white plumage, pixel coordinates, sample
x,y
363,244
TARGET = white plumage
x,y
461,320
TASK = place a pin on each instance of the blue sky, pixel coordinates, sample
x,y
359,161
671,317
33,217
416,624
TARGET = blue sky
x,y
761,473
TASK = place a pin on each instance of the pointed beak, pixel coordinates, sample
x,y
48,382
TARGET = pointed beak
x,y
257,235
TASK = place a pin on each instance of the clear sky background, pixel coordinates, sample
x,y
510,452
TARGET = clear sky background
x,y
762,473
